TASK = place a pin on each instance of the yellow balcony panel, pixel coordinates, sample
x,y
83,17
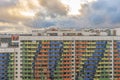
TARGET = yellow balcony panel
x,y
67,42
105,59
93,46
27,43
82,63
33,46
66,47
89,54
92,51
87,51
100,62
106,54
107,67
88,46
96,78
83,59
32,51
107,46
98,71
84,54
93,43
107,50
97,75
34,42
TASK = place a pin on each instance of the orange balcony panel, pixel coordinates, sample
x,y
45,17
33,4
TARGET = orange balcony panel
x,y
67,75
116,66
67,71
117,74
44,51
116,54
69,46
45,46
66,59
77,42
78,54
77,50
115,50
69,50
116,58
66,62
116,62
67,54
80,46
42,54
45,64
117,70
77,62
67,67
83,42
42,59
77,59
80,50
115,46
80,42
45,42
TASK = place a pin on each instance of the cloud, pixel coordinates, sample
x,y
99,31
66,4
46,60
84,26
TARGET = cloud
x,y
28,14
107,11
53,7
10,27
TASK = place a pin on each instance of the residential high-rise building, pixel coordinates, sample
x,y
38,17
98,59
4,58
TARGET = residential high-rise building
x,y
8,58
55,54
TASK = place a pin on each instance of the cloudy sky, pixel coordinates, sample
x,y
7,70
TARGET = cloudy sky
x,y
24,15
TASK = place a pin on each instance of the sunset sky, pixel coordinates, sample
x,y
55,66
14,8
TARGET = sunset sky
x,y
24,15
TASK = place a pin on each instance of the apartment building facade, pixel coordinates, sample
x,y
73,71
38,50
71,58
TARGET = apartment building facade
x,y
67,55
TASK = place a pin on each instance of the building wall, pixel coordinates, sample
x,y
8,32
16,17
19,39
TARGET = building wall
x,y
8,64
62,58
70,58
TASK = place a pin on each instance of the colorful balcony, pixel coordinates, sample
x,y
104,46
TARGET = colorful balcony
x,y
45,42
116,70
116,66
116,58
80,42
67,42
116,54
92,42
44,51
67,51
80,46
116,62
80,50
